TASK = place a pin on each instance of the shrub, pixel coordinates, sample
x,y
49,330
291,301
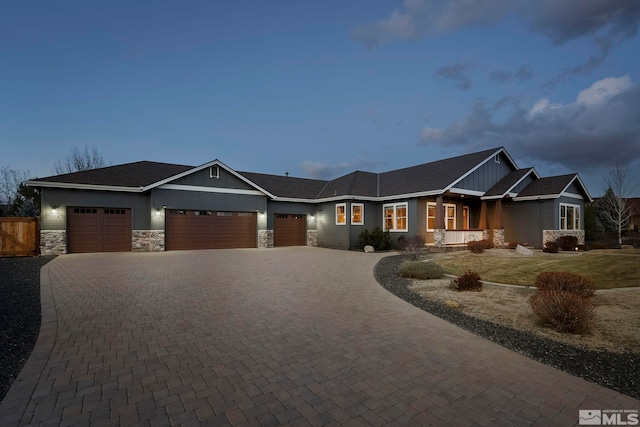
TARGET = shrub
x,y
469,281
412,246
551,247
421,270
566,311
380,240
478,246
565,281
567,243
598,245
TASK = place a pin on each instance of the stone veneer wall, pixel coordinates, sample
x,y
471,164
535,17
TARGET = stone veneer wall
x,y
312,238
440,237
552,235
265,239
498,237
147,240
53,242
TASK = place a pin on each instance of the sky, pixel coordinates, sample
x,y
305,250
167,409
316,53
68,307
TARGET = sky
x,y
320,89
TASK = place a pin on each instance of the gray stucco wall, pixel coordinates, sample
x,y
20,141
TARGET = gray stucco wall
x,y
61,198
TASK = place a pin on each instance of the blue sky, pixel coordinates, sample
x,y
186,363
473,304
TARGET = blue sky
x,y
319,89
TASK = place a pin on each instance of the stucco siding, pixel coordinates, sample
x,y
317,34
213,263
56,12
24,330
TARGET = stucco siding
x,y
525,220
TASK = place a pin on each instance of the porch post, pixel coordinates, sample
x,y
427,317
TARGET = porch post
x,y
498,225
439,232
486,233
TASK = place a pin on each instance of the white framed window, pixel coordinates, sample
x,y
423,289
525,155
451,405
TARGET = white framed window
x,y
569,217
449,212
395,217
357,214
341,214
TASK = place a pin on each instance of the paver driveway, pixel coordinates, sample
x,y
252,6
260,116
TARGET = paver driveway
x,y
300,336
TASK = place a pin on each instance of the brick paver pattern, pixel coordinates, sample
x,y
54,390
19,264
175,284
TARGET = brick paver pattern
x,y
283,336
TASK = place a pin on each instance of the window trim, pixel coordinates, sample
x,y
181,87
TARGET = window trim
x,y
344,214
562,222
394,218
361,206
446,218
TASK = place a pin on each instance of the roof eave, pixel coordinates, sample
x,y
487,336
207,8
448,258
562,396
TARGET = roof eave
x,y
73,186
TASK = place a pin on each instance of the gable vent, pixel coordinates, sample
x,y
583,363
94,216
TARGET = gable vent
x,y
496,159
214,172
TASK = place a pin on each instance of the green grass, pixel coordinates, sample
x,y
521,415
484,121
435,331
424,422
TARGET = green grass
x,y
606,268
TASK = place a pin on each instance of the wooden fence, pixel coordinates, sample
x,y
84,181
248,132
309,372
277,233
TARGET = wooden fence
x,y
19,236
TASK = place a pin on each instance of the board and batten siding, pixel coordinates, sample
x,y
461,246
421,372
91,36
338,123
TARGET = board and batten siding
x,y
203,178
487,175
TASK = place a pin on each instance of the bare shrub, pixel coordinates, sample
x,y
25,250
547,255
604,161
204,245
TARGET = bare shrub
x,y
469,281
566,311
567,243
551,247
565,281
478,246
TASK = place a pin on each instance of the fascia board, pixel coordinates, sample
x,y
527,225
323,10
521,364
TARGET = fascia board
x,y
68,185
543,197
204,166
466,192
479,165
201,189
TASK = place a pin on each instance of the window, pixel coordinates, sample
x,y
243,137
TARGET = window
x,y
395,217
357,214
341,214
449,212
569,217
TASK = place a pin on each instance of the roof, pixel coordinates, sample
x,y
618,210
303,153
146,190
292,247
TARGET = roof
x,y
137,174
508,182
552,186
286,186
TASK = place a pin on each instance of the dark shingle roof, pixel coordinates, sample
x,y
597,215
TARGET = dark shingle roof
x,y
507,182
430,176
357,183
286,186
552,185
137,174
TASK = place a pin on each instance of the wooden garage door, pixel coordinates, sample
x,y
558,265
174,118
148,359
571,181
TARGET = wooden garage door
x,y
289,230
210,230
98,230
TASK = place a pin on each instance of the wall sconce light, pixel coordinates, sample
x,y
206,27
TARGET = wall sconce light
x,y
54,211
158,212
312,216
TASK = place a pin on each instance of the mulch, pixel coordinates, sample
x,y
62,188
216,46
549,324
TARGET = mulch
x,y
19,314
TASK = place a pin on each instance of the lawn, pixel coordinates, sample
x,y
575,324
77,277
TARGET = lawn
x,y
606,268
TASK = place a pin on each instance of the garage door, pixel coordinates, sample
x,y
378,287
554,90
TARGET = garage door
x,y
98,230
210,230
289,230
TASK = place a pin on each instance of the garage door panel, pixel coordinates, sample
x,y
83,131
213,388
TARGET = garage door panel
x,y
210,230
98,230
290,230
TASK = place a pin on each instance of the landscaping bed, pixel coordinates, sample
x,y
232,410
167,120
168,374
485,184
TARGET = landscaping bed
x,y
613,369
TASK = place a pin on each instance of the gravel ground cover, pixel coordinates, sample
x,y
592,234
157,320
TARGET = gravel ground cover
x,y
19,314
618,371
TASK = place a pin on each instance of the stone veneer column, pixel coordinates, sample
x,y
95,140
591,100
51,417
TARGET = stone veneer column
x,y
53,242
552,235
265,239
147,240
439,232
312,238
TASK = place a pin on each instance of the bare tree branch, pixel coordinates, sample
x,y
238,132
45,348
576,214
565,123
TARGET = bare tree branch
x,y
78,160
615,207
10,181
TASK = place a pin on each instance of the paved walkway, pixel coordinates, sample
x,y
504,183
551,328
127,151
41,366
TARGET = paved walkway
x,y
284,336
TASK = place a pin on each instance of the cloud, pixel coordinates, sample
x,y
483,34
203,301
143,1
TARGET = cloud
x,y
321,170
523,73
599,129
606,22
457,73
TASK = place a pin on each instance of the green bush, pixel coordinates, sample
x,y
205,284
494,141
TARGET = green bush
x,y
478,246
380,240
567,243
565,281
469,281
566,311
551,247
421,270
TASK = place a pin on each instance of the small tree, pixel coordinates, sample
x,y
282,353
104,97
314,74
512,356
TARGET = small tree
x,y
78,160
11,189
615,208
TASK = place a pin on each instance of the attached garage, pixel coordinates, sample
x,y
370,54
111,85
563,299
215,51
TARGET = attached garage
x,y
188,229
289,230
98,230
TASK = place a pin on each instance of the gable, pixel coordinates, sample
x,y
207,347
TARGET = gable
x,y
487,175
213,177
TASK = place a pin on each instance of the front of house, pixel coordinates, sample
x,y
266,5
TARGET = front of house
x,y
148,206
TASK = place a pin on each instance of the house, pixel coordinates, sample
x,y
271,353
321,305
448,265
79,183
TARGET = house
x,y
149,206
